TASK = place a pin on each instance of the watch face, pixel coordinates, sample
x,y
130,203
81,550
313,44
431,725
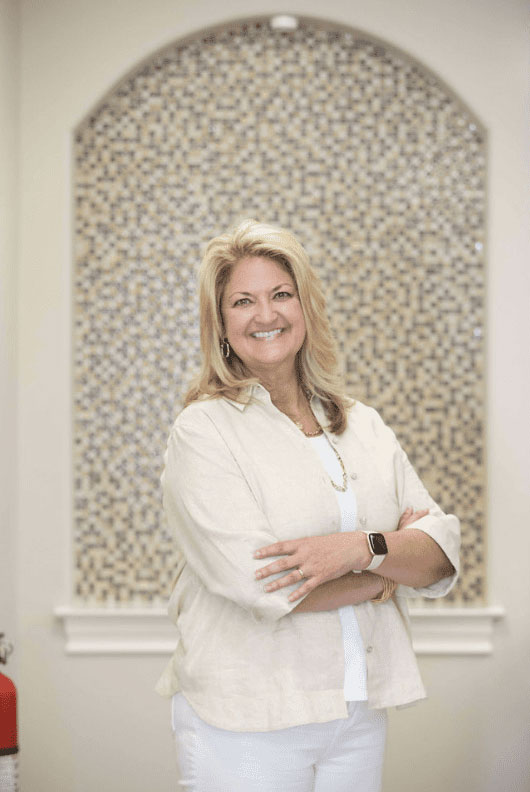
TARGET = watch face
x,y
378,544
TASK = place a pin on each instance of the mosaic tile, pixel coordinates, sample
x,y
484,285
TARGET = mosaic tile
x,y
376,167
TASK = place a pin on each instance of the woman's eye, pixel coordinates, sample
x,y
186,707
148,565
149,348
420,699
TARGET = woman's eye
x,y
282,295
242,301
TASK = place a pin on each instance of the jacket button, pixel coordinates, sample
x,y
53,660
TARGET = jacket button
x,y
369,649
353,476
363,521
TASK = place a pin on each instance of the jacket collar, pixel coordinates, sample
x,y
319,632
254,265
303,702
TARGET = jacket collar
x,y
259,393
252,392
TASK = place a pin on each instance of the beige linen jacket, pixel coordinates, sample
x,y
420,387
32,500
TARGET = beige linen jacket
x,y
238,477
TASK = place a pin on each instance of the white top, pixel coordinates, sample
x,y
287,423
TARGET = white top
x,y
239,476
354,653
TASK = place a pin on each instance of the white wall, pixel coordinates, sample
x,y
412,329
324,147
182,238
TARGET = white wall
x,y
94,722
9,91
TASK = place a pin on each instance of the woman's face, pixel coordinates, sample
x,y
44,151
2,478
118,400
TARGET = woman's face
x,y
263,317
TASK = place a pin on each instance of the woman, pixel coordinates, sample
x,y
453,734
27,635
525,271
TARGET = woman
x,y
277,682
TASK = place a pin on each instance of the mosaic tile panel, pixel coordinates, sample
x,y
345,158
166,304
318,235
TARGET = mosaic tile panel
x,y
377,168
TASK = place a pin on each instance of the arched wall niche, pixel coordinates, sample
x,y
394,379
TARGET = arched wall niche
x,y
378,168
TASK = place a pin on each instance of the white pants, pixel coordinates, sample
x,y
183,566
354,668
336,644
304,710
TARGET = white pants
x,y
344,755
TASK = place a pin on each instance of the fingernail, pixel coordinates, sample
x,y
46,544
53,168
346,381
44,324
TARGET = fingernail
x,y
258,575
268,587
257,554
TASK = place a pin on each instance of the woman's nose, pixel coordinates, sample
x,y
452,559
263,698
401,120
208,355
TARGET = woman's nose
x,y
265,311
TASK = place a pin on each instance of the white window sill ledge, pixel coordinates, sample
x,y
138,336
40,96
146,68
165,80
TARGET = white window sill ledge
x,y
147,631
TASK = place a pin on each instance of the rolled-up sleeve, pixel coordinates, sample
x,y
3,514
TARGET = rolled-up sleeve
x,y
443,528
215,517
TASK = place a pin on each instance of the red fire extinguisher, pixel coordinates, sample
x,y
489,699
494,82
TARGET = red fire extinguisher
x,y
8,726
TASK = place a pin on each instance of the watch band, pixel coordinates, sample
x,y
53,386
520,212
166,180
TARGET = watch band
x,y
376,561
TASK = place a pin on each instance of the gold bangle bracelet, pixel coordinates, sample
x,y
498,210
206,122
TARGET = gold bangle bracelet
x,y
388,590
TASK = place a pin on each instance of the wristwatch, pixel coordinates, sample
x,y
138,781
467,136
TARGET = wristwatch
x,y
378,548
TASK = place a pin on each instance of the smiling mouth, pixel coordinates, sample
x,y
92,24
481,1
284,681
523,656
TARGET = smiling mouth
x,y
268,334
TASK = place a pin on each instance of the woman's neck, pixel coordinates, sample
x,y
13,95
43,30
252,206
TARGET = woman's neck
x,y
285,392
288,396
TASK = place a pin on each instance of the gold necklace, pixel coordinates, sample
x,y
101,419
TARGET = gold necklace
x,y
344,486
308,434
319,429
339,487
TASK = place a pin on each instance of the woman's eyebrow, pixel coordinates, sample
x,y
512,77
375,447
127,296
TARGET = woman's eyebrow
x,y
249,294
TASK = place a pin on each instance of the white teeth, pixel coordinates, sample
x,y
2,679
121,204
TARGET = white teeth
x,y
269,334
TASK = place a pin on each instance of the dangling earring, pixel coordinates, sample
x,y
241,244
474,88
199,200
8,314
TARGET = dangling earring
x,y
225,348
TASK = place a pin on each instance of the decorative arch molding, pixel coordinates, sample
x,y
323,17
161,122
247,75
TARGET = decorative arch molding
x,y
139,61
375,164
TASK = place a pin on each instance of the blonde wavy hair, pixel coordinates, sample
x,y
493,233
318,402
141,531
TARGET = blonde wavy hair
x,y
316,362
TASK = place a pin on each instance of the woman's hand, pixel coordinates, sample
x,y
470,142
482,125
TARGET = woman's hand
x,y
410,516
320,558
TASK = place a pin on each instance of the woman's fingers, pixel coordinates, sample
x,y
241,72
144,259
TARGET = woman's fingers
x,y
286,549
286,580
418,515
409,516
277,566
278,548
301,590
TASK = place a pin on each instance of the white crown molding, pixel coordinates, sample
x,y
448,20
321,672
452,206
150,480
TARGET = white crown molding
x,y
148,631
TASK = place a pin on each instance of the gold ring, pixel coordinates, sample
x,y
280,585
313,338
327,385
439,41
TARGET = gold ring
x,y
301,573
